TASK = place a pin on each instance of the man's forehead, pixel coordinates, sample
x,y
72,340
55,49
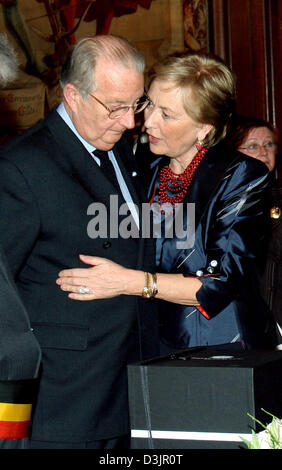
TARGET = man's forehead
x,y
112,70
117,81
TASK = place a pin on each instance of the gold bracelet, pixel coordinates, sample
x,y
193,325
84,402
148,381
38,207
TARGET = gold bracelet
x,y
149,292
146,293
155,285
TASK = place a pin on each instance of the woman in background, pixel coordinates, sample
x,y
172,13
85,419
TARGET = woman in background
x,y
254,137
258,139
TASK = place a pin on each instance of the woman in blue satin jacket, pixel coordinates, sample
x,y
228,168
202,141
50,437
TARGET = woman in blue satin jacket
x,y
210,217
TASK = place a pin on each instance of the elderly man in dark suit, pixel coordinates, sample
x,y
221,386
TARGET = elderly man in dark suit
x,y
19,350
51,178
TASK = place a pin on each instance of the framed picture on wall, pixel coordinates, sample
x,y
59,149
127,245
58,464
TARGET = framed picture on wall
x,y
196,25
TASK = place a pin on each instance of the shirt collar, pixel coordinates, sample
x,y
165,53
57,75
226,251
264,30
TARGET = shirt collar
x,y
65,116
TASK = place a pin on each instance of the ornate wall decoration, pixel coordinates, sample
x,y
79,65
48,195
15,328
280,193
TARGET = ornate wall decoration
x,y
196,25
42,32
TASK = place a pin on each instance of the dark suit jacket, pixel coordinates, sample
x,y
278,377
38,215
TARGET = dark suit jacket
x,y
272,276
19,363
19,349
48,182
230,197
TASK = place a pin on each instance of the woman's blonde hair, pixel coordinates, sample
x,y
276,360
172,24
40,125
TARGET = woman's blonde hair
x,y
208,89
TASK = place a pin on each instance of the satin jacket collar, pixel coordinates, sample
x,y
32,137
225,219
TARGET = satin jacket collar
x,y
209,174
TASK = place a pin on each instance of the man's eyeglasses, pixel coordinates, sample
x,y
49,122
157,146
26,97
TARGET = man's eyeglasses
x,y
122,110
255,149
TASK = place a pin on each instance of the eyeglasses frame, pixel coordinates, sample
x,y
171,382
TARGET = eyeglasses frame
x,y
273,144
121,107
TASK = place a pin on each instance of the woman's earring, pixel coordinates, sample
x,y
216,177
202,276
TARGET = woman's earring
x,y
200,145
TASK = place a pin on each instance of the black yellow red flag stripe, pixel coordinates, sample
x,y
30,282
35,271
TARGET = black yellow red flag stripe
x,y
16,399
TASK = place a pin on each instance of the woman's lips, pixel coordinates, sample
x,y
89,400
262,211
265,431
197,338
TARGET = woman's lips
x,y
152,139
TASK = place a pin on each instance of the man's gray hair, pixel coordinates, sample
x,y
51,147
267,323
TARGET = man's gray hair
x,y
8,61
79,69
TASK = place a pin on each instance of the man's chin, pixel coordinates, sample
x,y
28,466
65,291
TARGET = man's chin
x,y
112,141
108,141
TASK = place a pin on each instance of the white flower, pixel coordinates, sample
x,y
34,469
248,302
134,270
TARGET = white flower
x,y
270,438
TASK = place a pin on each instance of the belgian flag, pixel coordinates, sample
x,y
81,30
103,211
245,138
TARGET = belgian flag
x,y
16,400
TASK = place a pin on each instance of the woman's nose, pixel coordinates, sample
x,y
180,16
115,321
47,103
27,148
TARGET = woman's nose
x,y
263,150
149,116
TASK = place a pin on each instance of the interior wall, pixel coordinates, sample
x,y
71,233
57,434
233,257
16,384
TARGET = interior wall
x,y
247,34
157,31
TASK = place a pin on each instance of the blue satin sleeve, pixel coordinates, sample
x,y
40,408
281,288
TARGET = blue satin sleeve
x,y
236,235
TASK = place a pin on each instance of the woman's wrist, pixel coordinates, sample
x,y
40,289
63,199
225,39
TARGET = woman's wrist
x,y
135,282
150,288
141,283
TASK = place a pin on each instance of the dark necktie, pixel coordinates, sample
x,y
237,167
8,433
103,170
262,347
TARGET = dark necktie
x,y
106,166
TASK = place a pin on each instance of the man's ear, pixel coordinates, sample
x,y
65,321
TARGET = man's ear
x,y
71,95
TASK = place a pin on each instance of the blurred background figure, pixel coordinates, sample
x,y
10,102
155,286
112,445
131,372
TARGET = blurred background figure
x,y
19,350
15,24
259,139
254,137
9,63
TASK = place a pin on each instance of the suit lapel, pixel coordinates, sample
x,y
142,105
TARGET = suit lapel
x,y
207,178
83,166
125,160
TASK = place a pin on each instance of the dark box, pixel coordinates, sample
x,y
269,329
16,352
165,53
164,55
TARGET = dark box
x,y
200,398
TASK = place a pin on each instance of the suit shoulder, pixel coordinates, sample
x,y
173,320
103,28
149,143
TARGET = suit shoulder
x,y
250,166
235,161
29,137
33,144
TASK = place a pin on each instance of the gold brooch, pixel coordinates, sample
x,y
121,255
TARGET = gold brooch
x,y
275,212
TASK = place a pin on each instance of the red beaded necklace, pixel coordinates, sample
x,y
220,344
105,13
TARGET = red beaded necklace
x,y
178,185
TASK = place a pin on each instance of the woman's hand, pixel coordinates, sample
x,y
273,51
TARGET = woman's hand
x,y
105,279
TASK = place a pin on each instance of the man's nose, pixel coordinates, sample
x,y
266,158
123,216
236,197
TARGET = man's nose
x,y
128,119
